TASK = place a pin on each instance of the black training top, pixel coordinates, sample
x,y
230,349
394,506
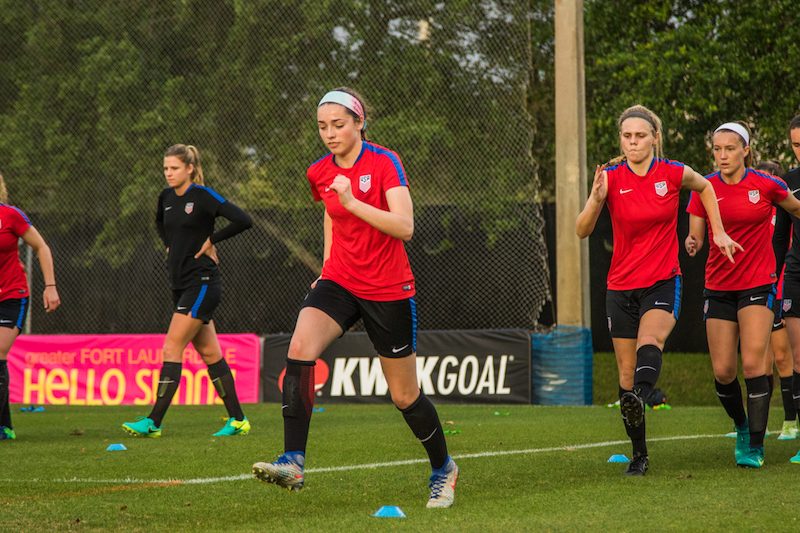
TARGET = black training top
x,y
185,222
783,223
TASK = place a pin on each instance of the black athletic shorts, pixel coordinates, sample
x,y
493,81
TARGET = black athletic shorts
x,y
13,312
625,309
391,326
199,301
791,297
725,305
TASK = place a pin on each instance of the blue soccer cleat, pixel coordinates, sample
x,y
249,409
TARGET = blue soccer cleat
x,y
754,458
286,472
443,485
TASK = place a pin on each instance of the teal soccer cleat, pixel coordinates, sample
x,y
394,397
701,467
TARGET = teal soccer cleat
x,y
143,427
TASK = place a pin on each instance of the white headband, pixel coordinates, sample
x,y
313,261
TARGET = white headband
x,y
345,99
738,128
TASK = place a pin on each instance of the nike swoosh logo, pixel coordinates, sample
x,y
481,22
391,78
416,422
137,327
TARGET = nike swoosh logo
x,y
718,199
400,349
6,321
641,367
759,395
662,303
626,191
182,308
168,208
150,430
754,298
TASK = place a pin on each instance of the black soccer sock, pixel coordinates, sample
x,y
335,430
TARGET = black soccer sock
x,y
757,408
422,418
221,377
298,404
796,390
648,368
730,396
637,434
771,384
5,409
789,410
168,382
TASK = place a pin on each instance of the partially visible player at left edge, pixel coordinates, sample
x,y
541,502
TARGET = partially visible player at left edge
x,y
14,293
185,220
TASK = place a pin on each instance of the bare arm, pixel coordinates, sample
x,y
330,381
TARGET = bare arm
x,y
697,235
587,219
397,222
695,182
791,205
34,239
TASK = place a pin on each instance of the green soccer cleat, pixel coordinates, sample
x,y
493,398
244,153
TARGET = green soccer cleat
x,y
234,427
443,486
286,472
143,427
789,430
7,433
754,458
742,441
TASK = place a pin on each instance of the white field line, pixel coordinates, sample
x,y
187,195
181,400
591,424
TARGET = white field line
x,y
197,481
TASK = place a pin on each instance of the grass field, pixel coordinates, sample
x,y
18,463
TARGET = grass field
x,y
535,469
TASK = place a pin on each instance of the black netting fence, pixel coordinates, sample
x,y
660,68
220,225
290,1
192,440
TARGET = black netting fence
x,y
93,92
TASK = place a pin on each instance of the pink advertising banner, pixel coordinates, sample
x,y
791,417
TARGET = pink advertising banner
x,y
121,369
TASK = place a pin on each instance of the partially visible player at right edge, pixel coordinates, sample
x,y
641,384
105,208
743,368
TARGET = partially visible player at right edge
x,y
779,353
366,275
644,282
787,225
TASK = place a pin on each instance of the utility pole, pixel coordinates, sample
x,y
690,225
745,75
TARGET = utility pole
x,y
572,254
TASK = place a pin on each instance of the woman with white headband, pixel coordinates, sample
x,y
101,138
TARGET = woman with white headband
x,y
365,275
787,230
739,297
643,300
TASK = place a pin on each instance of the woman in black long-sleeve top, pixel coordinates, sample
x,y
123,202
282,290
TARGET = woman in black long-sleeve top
x,y
185,221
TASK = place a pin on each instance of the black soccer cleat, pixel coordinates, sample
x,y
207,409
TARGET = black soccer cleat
x,y
638,466
632,409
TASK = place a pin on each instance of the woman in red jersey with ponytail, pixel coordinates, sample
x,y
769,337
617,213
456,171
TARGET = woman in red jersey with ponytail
x,y
739,299
365,275
14,294
643,300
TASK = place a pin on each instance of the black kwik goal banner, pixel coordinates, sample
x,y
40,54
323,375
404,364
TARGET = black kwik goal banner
x,y
453,366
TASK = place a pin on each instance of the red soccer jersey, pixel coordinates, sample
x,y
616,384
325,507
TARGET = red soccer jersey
x,y
644,217
13,281
364,260
746,211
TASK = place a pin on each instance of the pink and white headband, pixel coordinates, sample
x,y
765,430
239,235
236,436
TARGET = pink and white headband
x,y
737,128
345,99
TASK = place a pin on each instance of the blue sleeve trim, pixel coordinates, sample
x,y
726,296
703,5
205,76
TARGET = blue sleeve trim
x,y
212,193
392,157
23,215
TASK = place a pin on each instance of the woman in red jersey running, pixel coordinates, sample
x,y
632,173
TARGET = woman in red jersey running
x,y
14,294
644,282
739,299
365,274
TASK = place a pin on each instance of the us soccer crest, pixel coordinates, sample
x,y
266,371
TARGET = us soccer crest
x,y
364,182
753,196
189,208
661,188
787,304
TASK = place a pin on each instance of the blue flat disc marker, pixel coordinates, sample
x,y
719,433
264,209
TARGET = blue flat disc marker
x,y
390,511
